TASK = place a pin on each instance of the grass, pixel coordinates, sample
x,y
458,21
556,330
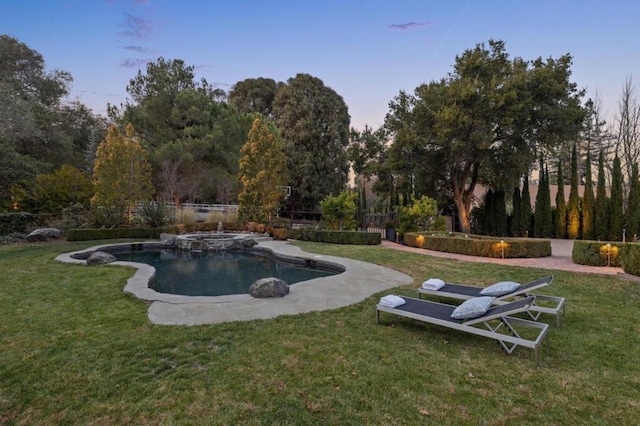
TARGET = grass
x,y
76,350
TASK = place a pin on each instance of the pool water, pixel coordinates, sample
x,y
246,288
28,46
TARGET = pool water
x,y
215,274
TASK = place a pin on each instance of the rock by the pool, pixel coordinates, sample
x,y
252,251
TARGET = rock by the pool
x,y
168,240
100,258
43,234
269,287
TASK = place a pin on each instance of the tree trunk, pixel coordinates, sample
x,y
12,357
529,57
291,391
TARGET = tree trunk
x,y
463,215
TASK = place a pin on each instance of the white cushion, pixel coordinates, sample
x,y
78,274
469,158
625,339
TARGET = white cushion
x,y
473,308
500,289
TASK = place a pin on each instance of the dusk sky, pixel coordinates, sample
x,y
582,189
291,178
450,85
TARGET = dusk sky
x,y
367,51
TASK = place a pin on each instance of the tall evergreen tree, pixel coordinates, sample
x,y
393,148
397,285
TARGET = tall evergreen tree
x,y
561,207
616,203
121,174
262,174
525,212
489,216
632,213
516,228
314,123
601,221
542,226
547,218
573,207
588,203
500,208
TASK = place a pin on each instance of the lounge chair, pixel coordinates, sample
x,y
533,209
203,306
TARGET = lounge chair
x,y
440,314
544,304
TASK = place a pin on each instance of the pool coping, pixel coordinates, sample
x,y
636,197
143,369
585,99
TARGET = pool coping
x,y
359,281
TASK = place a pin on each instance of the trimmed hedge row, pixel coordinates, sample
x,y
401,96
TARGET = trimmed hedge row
x,y
483,247
597,253
81,234
15,223
630,258
336,237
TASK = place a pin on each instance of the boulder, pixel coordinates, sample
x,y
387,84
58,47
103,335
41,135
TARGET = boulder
x,y
168,240
269,287
100,258
43,234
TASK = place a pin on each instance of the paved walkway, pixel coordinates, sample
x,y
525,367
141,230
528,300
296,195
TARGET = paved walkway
x,y
560,259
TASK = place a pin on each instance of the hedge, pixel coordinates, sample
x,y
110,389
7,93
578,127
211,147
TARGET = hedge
x,y
630,258
596,253
81,234
15,223
336,237
482,247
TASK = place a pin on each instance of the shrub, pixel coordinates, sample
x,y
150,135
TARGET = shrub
x,y
596,253
107,216
336,237
478,246
630,258
186,216
115,233
155,214
15,222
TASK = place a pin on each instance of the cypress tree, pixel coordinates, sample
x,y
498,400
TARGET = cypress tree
x,y
525,212
573,207
633,205
542,227
616,214
601,221
561,207
500,213
547,215
588,202
489,216
516,228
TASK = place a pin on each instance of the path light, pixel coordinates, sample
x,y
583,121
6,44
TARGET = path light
x,y
502,244
608,254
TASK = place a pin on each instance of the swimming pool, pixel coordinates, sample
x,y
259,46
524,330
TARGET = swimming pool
x,y
218,273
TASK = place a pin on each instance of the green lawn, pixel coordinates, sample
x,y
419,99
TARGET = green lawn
x,y
76,350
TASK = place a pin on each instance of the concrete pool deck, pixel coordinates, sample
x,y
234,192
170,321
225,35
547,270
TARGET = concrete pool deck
x,y
359,281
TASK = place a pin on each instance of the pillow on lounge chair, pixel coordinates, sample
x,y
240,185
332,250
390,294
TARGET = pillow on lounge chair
x,y
500,289
473,308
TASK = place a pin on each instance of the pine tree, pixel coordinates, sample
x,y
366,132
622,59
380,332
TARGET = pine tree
x,y
573,207
561,207
516,228
601,221
588,203
121,172
525,212
633,206
616,214
262,174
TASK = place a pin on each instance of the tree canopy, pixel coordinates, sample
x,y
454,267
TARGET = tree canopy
x,y
314,124
193,136
483,123
39,131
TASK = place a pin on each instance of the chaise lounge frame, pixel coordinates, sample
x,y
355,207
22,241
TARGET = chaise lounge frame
x,y
440,314
553,305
